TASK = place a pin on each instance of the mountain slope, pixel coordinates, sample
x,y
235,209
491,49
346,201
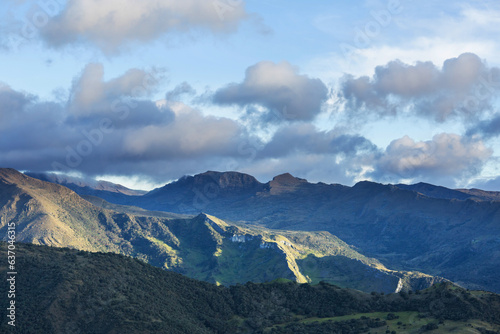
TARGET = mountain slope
x,y
445,193
202,247
436,191
482,194
103,189
456,239
70,291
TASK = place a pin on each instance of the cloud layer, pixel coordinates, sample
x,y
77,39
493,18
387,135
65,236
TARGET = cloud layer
x,y
464,87
279,89
113,127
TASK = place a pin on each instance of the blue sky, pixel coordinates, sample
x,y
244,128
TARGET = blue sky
x,y
143,92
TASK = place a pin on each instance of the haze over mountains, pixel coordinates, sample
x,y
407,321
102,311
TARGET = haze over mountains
x,y
443,232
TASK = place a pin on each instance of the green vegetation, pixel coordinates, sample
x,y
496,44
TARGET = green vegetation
x,y
440,234
69,291
202,247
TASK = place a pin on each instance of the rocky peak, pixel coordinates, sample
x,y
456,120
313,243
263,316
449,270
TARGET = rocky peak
x,y
227,179
287,179
9,175
285,183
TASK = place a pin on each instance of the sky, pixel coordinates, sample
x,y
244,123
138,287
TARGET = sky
x,y
142,92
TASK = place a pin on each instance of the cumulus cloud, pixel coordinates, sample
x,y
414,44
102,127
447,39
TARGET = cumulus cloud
x,y
191,135
465,86
104,129
306,138
446,157
107,128
11,100
279,89
91,94
111,24
122,98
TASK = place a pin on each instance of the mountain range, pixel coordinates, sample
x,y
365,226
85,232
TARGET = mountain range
x,y
199,246
443,232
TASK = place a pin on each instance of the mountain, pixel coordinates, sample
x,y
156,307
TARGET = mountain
x,y
102,189
437,191
60,290
202,246
450,237
482,194
445,193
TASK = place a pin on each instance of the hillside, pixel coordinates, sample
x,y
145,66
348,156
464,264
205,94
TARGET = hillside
x,y
203,246
445,193
103,189
69,291
403,228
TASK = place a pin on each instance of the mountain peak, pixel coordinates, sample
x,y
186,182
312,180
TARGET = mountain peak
x,y
227,179
11,175
287,179
285,183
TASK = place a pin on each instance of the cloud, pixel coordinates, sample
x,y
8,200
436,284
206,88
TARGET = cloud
x,y
490,185
191,135
112,127
180,90
112,24
487,129
121,98
11,100
464,87
104,129
447,157
306,138
158,140
279,89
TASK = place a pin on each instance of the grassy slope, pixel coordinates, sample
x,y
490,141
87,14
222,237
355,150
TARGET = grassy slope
x,y
200,247
70,291
456,239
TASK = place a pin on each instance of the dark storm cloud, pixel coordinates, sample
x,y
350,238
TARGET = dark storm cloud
x,y
465,86
279,89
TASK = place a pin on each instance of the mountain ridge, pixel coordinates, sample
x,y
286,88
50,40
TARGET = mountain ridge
x,y
403,228
202,246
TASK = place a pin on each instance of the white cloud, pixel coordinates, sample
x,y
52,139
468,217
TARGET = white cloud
x,y
280,89
417,35
190,135
464,87
111,24
447,158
